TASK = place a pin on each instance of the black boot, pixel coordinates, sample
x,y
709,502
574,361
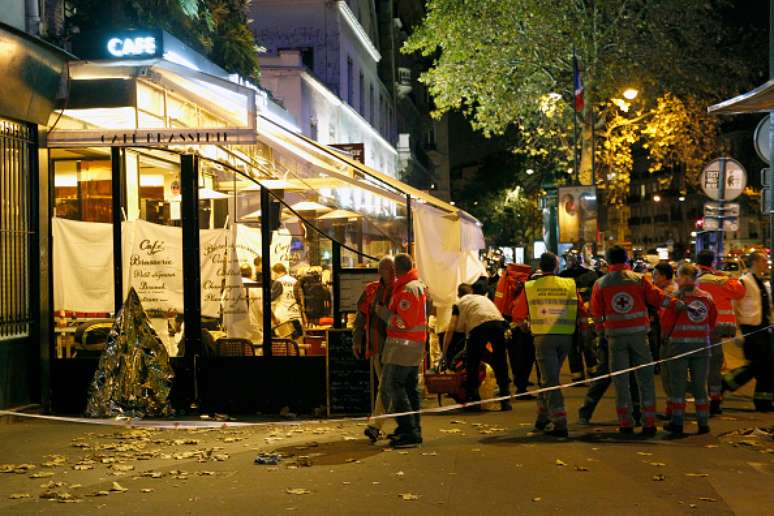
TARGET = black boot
x,y
505,405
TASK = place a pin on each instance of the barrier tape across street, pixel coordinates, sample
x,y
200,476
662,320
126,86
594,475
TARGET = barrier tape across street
x,y
183,425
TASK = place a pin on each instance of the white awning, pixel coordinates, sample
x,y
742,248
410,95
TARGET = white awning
x,y
754,101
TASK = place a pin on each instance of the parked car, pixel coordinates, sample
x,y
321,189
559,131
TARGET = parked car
x,y
733,266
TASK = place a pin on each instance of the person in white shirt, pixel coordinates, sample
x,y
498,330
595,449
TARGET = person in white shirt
x,y
284,304
481,321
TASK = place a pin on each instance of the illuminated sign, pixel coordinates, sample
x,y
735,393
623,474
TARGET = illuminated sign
x,y
139,46
152,137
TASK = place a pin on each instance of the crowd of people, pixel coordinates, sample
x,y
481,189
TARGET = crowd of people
x,y
616,321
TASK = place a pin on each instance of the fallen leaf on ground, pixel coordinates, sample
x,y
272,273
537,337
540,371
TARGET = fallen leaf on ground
x,y
408,496
697,474
375,483
297,491
346,483
42,474
451,430
153,474
457,422
118,488
692,505
710,445
206,473
122,467
146,490
19,496
537,499
82,467
581,468
657,464
644,453
400,473
102,493
220,457
707,499
399,453
429,454
659,478
560,462
476,450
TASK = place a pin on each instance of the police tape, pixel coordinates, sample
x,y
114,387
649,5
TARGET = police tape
x,y
123,421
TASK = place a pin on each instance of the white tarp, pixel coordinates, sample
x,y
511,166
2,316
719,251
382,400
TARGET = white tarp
x,y
446,254
83,265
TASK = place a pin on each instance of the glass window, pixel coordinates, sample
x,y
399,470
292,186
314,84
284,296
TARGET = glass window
x,y
83,189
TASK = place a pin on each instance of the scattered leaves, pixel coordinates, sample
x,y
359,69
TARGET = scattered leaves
x,y
581,468
701,475
658,478
560,462
644,453
297,491
42,474
118,488
19,496
406,497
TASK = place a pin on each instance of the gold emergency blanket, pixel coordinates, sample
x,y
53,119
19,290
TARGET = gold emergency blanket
x,y
134,376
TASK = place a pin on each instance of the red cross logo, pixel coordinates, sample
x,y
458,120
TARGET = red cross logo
x,y
623,302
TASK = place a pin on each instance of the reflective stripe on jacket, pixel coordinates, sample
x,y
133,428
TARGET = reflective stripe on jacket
x,y
619,301
695,323
408,306
724,291
553,305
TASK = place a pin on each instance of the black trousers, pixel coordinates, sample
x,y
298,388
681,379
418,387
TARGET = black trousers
x,y
521,355
758,351
492,332
581,351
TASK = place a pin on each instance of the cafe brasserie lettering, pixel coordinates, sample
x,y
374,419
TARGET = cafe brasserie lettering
x,y
152,247
165,137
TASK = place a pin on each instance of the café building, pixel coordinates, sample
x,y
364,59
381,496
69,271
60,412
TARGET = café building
x,y
247,243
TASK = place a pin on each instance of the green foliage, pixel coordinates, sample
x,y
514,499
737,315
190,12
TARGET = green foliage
x,y
217,28
504,199
508,63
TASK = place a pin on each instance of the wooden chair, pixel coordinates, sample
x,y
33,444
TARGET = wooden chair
x,y
225,347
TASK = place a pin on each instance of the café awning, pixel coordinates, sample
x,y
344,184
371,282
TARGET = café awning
x,y
754,101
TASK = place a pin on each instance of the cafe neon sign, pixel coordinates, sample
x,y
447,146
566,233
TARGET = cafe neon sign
x,y
139,46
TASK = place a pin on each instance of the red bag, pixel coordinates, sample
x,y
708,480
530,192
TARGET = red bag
x,y
510,285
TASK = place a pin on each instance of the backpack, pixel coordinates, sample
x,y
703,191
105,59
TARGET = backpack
x,y
510,285
317,298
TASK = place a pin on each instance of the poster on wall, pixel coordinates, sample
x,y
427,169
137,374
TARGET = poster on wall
x,y
577,214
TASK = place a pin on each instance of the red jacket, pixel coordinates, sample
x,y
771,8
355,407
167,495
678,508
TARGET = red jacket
x,y
510,286
368,327
619,301
694,324
408,308
724,291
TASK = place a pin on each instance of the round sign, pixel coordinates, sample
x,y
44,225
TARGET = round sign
x,y
762,140
735,179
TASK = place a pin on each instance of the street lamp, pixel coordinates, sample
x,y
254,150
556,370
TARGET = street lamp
x,y
681,198
630,93
530,171
657,198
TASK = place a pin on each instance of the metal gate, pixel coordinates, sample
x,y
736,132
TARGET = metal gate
x,y
17,144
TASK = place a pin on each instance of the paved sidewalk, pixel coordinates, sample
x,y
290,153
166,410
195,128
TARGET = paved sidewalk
x,y
469,464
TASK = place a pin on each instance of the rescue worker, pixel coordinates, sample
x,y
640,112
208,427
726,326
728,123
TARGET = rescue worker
x,y
724,291
689,330
663,278
478,317
753,312
581,350
406,318
519,344
619,306
370,332
550,307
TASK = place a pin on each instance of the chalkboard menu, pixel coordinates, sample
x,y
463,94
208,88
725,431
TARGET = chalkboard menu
x,y
348,378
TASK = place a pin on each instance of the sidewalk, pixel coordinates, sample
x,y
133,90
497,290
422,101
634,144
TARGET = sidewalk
x,y
469,464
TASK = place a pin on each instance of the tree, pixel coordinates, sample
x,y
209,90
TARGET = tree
x,y
508,63
217,28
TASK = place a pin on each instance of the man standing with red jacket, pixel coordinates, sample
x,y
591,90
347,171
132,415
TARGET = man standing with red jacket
x,y
406,318
724,291
619,306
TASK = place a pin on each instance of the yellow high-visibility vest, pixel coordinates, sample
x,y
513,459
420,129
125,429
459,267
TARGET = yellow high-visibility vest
x,y
553,305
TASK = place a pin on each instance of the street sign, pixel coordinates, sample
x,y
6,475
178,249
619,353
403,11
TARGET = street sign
x,y
723,189
761,139
721,210
713,224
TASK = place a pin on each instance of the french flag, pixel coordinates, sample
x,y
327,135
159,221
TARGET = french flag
x,y
578,83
